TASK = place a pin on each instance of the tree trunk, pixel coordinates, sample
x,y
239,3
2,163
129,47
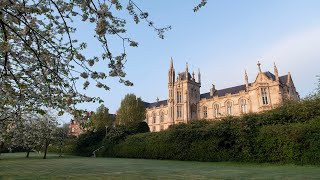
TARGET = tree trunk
x,y
28,152
46,149
1,146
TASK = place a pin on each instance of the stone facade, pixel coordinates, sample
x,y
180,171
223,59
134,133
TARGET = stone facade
x,y
185,103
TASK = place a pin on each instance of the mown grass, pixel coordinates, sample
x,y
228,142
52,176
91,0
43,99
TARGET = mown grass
x,y
15,166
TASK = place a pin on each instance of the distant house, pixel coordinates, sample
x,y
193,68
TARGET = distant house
x,y
75,129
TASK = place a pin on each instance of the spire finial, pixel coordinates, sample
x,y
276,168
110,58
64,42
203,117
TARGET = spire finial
x,y
259,66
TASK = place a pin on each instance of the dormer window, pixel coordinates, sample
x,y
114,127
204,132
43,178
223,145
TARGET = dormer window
x,y
264,96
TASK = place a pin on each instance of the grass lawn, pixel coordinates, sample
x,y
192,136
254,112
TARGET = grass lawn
x,y
15,166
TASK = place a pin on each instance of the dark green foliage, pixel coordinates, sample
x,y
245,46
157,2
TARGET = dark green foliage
x,y
120,133
288,134
89,142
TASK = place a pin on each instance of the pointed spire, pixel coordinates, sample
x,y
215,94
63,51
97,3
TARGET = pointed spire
x,y
259,66
246,79
199,76
171,74
276,71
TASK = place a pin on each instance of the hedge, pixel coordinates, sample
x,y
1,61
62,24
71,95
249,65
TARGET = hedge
x,y
288,134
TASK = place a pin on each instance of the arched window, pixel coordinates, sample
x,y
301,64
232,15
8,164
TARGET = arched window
x,y
154,117
205,112
216,110
243,104
161,116
229,108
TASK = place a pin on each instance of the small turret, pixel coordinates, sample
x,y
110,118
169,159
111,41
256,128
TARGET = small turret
x,y
246,79
213,89
276,72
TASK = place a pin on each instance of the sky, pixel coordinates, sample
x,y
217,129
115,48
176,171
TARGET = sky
x,y
223,39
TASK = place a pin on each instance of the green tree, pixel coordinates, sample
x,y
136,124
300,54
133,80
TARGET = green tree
x,y
61,136
131,110
101,118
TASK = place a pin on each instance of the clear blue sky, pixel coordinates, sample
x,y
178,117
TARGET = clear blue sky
x,y
223,39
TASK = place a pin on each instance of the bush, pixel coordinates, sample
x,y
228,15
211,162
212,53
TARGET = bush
x,y
89,141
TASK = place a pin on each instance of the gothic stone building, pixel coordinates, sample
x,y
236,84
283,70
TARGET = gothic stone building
x,y
185,103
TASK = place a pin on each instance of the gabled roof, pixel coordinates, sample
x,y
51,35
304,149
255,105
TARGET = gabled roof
x,y
283,79
156,104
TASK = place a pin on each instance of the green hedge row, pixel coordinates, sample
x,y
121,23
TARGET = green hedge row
x,y
288,134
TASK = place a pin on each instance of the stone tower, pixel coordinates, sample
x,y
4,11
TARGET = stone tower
x,y
184,96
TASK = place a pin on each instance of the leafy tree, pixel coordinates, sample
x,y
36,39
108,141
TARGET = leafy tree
x,y
31,131
48,126
101,118
26,134
131,110
61,136
41,60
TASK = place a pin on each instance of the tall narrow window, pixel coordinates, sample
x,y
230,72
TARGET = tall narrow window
x,y
229,108
161,117
264,96
243,104
179,111
154,117
216,110
205,112
171,112
179,97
